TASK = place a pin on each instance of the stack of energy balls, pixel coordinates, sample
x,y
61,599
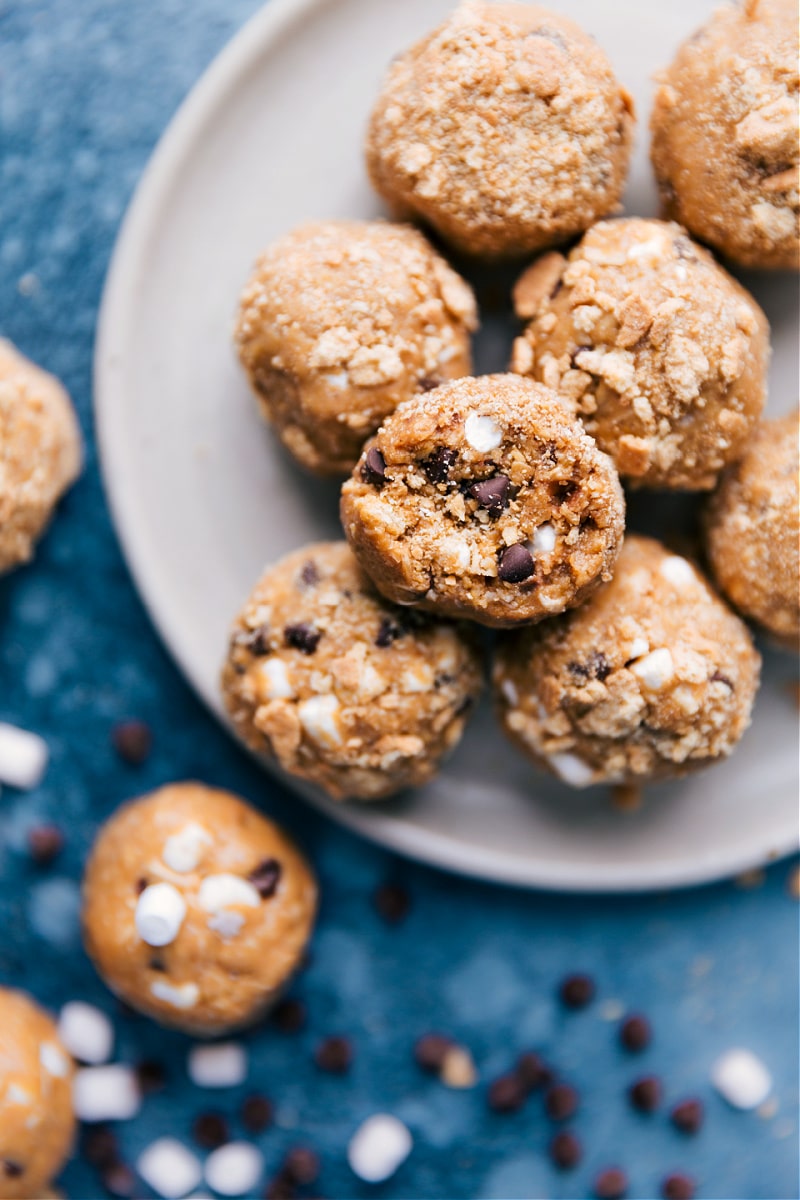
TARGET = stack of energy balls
x,y
498,501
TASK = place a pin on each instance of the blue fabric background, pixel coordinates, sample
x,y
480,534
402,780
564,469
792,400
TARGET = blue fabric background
x,y
86,87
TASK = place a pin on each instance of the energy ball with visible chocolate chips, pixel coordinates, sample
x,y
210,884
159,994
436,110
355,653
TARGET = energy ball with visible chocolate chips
x,y
342,688
505,130
37,1123
753,531
652,677
196,909
485,499
662,353
40,453
340,322
724,124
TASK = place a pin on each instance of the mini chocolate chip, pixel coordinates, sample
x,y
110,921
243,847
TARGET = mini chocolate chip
x,y
561,1101
151,1076
438,465
119,1180
156,963
718,677
257,1113
611,1184
563,490
133,741
140,885
45,843
99,1145
12,1169
309,573
531,1071
431,1050
388,632
678,1187
302,637
576,991
266,877
334,1054
428,382
289,1015
302,1165
254,640
687,1116
516,564
506,1094
635,1033
374,468
645,1093
392,902
596,666
210,1130
565,1150
492,494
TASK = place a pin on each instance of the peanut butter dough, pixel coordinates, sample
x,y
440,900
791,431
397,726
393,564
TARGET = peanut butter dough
x,y
40,453
504,129
654,676
196,909
662,354
342,688
753,531
37,1124
725,134
485,499
341,321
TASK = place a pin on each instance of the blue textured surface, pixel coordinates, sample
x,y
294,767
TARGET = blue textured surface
x,y
85,89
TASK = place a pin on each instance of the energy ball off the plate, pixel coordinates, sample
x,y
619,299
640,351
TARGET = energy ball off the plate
x,y
504,130
196,909
654,676
753,531
343,689
343,320
37,1123
663,355
485,499
725,143
40,452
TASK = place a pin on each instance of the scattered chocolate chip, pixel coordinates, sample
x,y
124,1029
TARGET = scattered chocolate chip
x,y
302,1165
635,1033
565,1150
99,1145
254,640
516,564
388,632
678,1187
645,1093
431,1050
374,468
309,573
133,741
140,885
11,1169
576,991
257,1113
334,1054
210,1130
506,1094
531,1071
119,1180
266,877
302,637
428,382
492,494
151,1076
596,666
45,843
561,1102
392,902
611,1184
718,677
289,1015
687,1116
157,963
438,465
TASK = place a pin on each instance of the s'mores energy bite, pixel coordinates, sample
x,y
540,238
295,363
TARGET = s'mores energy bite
x,y
196,909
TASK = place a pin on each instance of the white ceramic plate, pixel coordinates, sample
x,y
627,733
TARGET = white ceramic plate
x,y
203,498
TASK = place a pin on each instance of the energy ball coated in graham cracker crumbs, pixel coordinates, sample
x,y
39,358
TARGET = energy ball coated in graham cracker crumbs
x,y
725,134
753,531
504,130
341,321
40,453
654,676
662,354
344,689
485,499
37,1123
196,909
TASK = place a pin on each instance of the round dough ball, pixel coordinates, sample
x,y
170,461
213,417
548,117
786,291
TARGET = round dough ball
x,y
652,677
753,531
662,353
504,129
724,127
40,453
343,320
196,909
37,1123
343,689
485,499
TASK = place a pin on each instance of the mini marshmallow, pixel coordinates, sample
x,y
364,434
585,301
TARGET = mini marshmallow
x,y
235,1169
678,571
184,995
169,1168
571,769
275,676
86,1032
160,911
318,718
217,892
544,539
217,1065
53,1059
226,923
482,433
183,851
23,757
109,1093
654,670
638,648
378,1148
741,1079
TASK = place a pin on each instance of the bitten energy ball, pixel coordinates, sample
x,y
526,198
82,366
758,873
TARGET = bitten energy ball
x,y
753,530
40,453
343,689
663,354
485,499
654,676
36,1117
343,320
725,140
505,130
196,909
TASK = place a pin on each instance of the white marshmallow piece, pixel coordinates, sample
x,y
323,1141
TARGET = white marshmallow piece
x,y
160,912
183,996
572,770
235,1169
741,1079
218,892
53,1059
482,433
109,1093
217,1065
23,757
183,851
169,1168
678,572
86,1032
378,1148
275,677
318,718
655,670
544,539
638,648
